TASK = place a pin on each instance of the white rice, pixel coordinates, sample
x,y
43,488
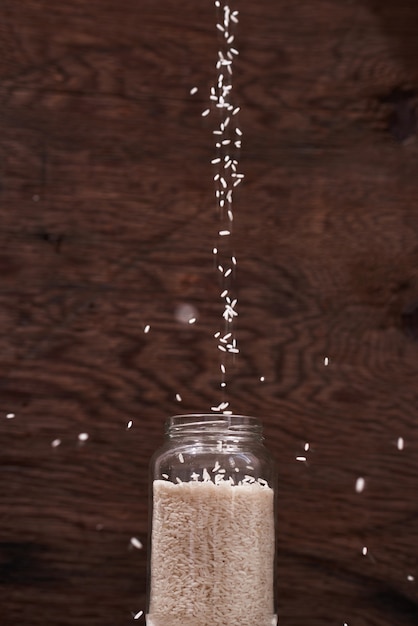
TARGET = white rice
x,y
212,554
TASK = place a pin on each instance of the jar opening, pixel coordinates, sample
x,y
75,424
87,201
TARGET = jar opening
x,y
213,423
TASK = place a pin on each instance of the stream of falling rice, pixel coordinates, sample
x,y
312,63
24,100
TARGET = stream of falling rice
x,y
227,137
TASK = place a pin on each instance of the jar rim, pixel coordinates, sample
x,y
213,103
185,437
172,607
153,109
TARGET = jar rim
x,y
214,422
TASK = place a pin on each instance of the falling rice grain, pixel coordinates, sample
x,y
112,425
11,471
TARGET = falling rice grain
x,y
135,543
360,484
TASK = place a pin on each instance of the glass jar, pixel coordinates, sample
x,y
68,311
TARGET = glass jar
x,y
212,537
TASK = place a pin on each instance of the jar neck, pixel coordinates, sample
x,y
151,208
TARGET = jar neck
x,y
214,425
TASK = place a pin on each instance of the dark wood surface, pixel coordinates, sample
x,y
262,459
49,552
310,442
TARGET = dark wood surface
x,y
107,223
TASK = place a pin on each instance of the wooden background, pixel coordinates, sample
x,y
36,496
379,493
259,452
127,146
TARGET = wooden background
x,y
108,220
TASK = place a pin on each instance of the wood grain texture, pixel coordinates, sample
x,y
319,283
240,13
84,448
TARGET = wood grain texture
x,y
107,223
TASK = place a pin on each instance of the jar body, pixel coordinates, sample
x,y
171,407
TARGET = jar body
x,y
212,548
